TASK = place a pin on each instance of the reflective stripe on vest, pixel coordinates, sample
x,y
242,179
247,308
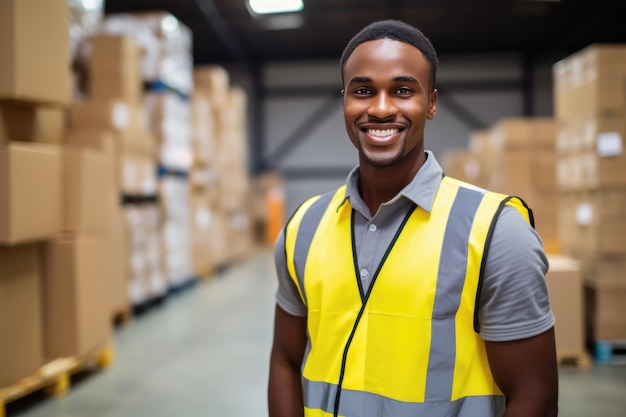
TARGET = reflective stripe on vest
x,y
409,347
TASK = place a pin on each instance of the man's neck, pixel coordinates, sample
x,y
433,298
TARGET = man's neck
x,y
378,185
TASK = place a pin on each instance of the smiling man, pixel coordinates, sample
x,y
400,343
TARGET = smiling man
x,y
406,292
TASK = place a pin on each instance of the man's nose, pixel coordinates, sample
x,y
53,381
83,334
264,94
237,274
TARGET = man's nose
x,y
382,107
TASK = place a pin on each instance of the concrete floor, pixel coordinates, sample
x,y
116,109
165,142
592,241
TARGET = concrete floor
x,y
205,352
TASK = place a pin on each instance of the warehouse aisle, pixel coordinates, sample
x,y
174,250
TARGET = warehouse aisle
x,y
205,353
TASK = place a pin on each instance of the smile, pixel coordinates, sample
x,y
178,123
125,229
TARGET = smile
x,y
382,133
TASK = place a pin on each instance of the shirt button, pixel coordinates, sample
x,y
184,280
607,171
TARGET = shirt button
x,y
364,272
373,227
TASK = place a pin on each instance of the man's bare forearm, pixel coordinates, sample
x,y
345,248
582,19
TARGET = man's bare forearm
x,y
285,391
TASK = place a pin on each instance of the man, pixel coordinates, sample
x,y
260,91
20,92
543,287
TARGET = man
x,y
406,292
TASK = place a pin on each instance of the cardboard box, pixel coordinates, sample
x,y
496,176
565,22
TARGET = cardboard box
x,y
575,214
25,122
132,152
605,304
113,55
100,139
590,79
77,306
139,143
544,165
30,192
565,286
592,223
145,257
606,269
604,230
545,207
113,87
88,189
609,297
201,235
461,164
606,329
234,113
21,350
34,46
523,157
114,69
137,175
480,147
107,114
213,80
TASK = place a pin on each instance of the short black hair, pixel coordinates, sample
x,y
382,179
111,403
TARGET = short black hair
x,y
396,30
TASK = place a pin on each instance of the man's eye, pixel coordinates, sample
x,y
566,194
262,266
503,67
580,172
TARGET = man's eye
x,y
403,91
361,91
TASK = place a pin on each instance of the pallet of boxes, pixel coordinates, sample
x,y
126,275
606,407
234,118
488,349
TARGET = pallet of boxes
x,y
54,317
166,80
517,156
231,209
112,119
207,237
590,105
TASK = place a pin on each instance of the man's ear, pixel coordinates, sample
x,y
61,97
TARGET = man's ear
x,y
343,91
432,104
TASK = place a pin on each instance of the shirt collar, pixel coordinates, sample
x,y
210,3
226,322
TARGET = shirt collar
x,y
421,190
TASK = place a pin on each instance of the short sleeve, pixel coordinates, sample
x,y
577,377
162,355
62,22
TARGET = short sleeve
x,y
287,296
514,300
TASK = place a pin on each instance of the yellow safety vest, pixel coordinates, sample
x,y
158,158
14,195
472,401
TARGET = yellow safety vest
x,y
410,345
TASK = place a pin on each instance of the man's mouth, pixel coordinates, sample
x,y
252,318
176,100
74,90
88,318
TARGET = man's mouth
x,y
382,133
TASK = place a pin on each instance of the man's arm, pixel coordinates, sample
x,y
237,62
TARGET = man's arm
x,y
285,384
527,373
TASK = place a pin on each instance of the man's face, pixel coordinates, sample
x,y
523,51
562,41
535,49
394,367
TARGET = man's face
x,y
387,99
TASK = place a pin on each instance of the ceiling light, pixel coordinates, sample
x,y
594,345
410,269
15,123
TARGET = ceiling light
x,y
275,6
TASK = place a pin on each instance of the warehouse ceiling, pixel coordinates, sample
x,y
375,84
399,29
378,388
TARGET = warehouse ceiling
x,y
225,31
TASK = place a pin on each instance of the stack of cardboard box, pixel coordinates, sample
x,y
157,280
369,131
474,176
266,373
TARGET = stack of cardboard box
x,y
207,239
523,164
590,105
112,120
234,181
169,118
231,210
143,258
53,289
165,74
174,198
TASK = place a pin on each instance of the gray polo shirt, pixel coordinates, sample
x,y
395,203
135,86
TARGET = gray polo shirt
x,y
514,301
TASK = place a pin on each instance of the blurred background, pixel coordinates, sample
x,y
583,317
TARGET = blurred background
x,y
151,151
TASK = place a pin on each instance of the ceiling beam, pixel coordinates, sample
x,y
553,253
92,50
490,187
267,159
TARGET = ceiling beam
x,y
303,131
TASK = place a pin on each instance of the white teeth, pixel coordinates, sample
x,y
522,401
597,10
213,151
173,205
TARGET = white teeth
x,y
382,133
